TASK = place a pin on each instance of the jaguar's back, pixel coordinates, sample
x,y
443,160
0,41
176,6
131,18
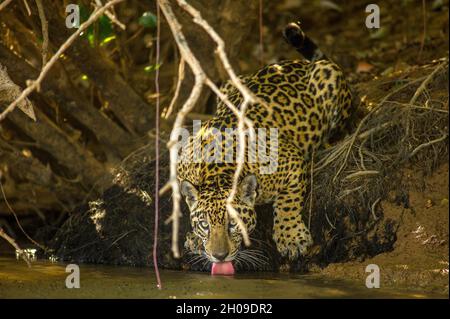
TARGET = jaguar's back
x,y
306,101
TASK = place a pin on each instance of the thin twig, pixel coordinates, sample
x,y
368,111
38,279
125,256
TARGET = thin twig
x,y
418,107
424,84
416,95
248,97
16,218
4,4
347,192
120,238
177,89
421,146
361,157
372,208
329,223
361,173
13,243
33,85
424,32
44,26
199,76
111,16
200,80
27,7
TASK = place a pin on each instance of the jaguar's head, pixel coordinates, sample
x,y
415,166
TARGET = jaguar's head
x,y
210,221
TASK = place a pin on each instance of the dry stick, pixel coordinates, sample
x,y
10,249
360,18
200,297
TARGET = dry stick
x,y
200,80
223,97
418,148
372,208
424,84
248,97
13,243
4,4
353,139
44,26
27,7
422,42
186,108
361,156
347,192
329,223
418,107
418,92
220,50
361,173
111,16
155,235
240,159
33,85
17,219
177,88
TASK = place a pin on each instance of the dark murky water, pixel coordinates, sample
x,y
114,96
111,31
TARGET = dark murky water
x,y
47,280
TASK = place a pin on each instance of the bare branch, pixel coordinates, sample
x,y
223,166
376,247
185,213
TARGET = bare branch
x,y
202,79
421,146
111,15
177,89
424,84
36,83
362,173
27,7
17,219
13,243
44,26
4,4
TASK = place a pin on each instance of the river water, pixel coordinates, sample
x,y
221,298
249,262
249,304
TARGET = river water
x,y
47,280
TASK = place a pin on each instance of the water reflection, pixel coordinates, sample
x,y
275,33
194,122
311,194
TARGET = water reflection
x,y
47,280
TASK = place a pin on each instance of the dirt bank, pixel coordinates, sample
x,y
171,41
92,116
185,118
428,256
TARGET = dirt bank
x,y
420,255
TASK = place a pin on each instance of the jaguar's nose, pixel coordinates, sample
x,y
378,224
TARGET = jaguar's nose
x,y
220,255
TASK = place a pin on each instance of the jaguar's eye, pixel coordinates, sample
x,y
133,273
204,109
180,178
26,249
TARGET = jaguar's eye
x,y
204,225
232,224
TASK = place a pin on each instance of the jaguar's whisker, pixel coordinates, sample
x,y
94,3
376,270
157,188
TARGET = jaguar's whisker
x,y
251,260
258,259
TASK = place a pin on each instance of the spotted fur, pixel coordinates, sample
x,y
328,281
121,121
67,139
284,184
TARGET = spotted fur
x,y
307,101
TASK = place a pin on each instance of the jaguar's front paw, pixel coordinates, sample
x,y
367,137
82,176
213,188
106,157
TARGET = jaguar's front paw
x,y
293,242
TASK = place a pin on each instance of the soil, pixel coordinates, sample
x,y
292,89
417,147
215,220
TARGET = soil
x,y
420,254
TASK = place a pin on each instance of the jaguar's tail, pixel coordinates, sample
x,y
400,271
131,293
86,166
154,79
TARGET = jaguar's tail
x,y
295,36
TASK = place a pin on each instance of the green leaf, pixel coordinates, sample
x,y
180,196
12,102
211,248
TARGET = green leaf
x,y
107,40
105,29
148,20
152,67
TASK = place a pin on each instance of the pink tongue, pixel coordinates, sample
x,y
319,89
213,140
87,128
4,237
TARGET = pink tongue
x,y
225,268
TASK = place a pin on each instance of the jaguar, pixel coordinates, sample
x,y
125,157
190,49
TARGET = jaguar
x,y
307,101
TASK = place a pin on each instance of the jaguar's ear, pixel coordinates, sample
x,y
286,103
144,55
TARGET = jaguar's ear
x,y
190,194
247,189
